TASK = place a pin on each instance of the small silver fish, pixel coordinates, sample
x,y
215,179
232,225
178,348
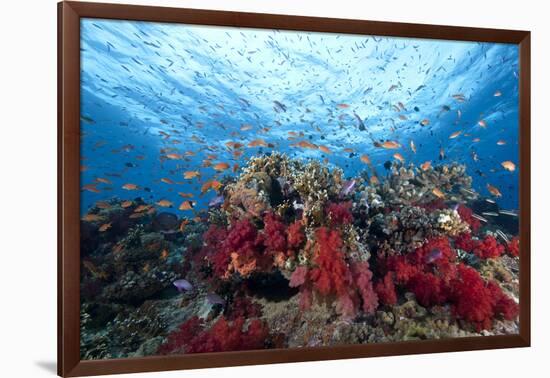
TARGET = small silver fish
x,y
503,236
508,212
479,217
490,214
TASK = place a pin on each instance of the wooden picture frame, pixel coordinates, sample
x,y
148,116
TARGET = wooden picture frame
x,y
69,15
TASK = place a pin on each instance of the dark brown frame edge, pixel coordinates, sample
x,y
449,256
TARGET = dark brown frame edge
x,y
69,14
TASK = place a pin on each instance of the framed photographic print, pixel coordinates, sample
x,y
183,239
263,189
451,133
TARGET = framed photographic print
x,y
239,188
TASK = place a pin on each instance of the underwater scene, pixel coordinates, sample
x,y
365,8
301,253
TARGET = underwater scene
x,y
253,188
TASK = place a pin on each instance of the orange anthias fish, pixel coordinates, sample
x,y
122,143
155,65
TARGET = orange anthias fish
x,y
164,254
105,227
221,167
142,208
399,157
508,165
191,174
482,123
164,203
455,134
426,165
91,188
246,127
167,180
92,218
257,143
305,144
501,142
425,122
126,204
390,145
103,180
498,94
494,191
365,159
374,180
438,193
325,149
103,205
343,106
187,205
129,187
174,156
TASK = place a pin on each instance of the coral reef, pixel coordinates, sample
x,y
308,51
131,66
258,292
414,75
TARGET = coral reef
x,y
293,254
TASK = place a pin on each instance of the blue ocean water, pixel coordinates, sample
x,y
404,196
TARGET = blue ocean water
x,y
152,90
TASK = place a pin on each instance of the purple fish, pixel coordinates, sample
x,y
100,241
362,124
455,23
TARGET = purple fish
x,y
347,187
214,299
183,285
216,201
434,255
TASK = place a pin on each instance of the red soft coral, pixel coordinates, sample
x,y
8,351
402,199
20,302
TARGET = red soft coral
x,y
274,233
428,289
176,340
489,248
385,289
331,277
295,236
465,242
331,274
466,214
471,300
223,336
513,247
339,213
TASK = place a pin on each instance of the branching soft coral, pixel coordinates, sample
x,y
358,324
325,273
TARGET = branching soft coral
x,y
477,301
487,248
295,235
274,234
331,274
513,247
331,277
223,336
385,289
339,213
432,274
